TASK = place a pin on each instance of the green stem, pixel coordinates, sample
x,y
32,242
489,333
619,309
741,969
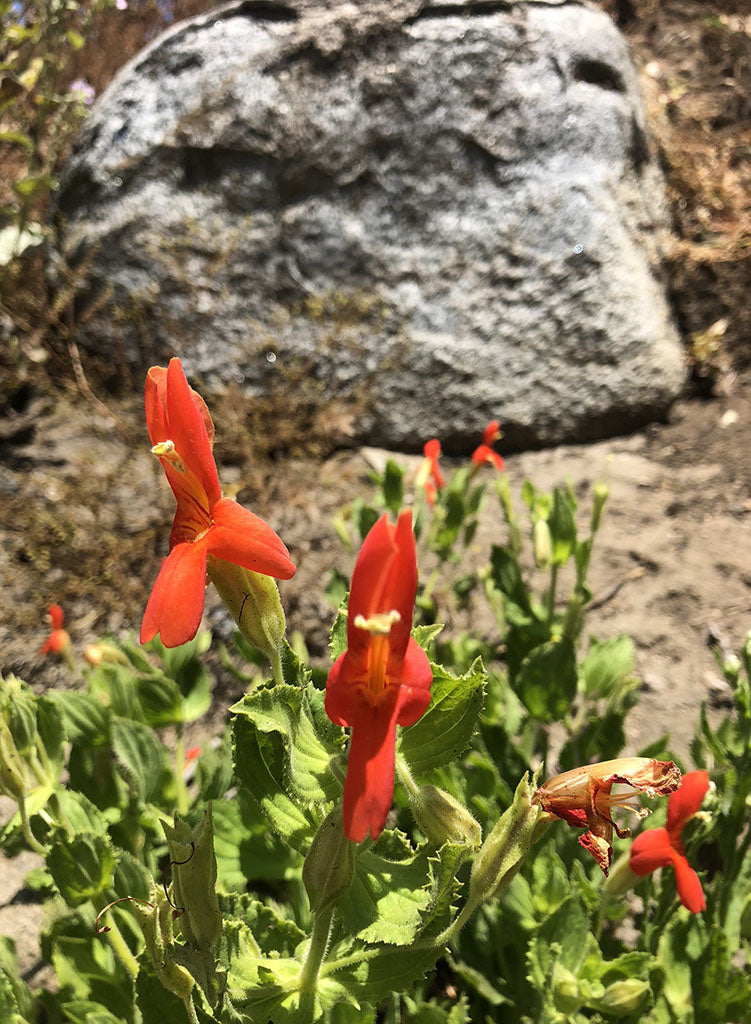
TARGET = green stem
x,y
430,585
551,595
319,941
276,667
405,777
121,949
29,836
190,1009
181,790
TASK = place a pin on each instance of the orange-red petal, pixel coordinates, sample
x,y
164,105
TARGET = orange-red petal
x,y
651,850
55,613
188,430
176,603
417,678
491,432
686,800
689,887
369,788
241,537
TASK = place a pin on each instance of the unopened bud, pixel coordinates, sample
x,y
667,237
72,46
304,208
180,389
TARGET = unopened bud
x,y
330,865
621,879
601,493
254,603
502,853
155,919
12,772
101,654
623,998
194,880
543,544
566,993
443,819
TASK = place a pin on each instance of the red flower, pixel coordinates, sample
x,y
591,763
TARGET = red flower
x,y
58,641
429,476
484,453
207,527
383,679
661,847
583,798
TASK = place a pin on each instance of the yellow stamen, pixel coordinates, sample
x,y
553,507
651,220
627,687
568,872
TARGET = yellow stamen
x,y
378,624
166,450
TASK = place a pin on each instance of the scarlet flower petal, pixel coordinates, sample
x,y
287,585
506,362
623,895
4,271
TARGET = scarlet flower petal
x,y
414,693
55,613
689,887
155,402
686,801
491,432
651,850
432,449
176,603
369,788
372,568
188,430
399,591
244,538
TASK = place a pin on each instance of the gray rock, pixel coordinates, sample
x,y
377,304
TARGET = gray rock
x,y
414,216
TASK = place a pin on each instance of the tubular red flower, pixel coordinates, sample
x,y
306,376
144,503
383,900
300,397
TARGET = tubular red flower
x,y
663,847
429,476
58,641
182,436
484,453
583,797
383,679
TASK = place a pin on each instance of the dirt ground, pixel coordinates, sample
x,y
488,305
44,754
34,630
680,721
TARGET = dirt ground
x,y
86,513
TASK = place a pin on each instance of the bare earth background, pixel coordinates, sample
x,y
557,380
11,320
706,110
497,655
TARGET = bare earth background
x,y
86,512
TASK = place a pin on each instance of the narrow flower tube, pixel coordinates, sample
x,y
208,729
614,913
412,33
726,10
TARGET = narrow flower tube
x,y
383,679
663,847
584,798
208,530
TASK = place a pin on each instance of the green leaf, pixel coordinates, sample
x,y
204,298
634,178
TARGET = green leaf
x,y
562,525
82,866
392,486
141,756
606,665
338,634
158,1006
388,896
443,733
115,687
85,1011
85,719
161,701
425,635
506,575
33,184
282,745
546,680
246,851
16,1001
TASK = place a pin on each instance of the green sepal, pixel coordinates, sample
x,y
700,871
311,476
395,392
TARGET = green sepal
x,y
194,880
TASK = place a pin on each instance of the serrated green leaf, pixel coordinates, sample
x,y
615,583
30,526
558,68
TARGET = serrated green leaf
x,y
115,687
425,635
546,680
392,486
382,971
82,866
338,634
443,733
288,712
388,896
141,756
